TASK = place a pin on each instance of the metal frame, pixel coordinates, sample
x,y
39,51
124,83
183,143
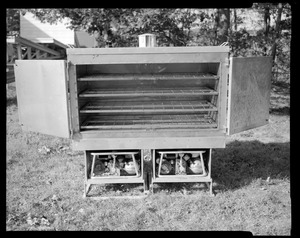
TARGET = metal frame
x,y
89,158
113,154
180,152
183,178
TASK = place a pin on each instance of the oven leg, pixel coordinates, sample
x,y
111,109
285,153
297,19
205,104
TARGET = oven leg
x,y
211,192
86,174
146,183
147,170
86,189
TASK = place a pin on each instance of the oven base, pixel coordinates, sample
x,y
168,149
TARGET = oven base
x,y
147,174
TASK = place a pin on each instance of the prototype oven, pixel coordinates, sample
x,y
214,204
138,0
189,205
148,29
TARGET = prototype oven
x,y
122,105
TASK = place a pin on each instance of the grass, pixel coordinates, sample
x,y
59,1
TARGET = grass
x,y
44,180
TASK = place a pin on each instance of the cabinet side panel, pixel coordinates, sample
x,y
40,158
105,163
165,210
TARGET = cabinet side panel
x,y
42,96
249,94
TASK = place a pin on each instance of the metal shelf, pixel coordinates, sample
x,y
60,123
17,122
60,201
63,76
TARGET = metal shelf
x,y
103,93
165,76
148,107
149,121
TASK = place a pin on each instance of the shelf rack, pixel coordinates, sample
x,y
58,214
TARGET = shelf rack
x,y
148,121
147,106
105,93
155,102
162,76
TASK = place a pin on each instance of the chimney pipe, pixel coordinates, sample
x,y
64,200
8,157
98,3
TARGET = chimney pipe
x,y
147,40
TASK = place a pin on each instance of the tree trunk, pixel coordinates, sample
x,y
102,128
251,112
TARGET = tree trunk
x,y
225,25
266,26
277,31
222,25
216,25
235,19
267,20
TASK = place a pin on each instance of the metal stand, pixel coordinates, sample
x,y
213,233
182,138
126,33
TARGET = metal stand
x,y
147,174
90,179
204,177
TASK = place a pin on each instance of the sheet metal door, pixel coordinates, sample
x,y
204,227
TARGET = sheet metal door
x,y
42,95
249,93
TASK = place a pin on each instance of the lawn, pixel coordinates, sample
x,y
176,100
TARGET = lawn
x,y
44,185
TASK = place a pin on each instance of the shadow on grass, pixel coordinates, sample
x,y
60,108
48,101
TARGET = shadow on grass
x,y
241,163
285,111
233,167
11,101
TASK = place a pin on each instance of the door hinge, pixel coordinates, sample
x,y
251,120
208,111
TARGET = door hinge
x,y
227,62
68,64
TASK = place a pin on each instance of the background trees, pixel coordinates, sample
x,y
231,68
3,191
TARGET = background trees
x,y
184,27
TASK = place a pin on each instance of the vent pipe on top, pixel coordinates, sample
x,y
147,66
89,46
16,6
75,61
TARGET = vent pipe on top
x,y
147,40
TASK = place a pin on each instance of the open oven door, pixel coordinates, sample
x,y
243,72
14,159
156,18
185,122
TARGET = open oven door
x,y
249,93
42,95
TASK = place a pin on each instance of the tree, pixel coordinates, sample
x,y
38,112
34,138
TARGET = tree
x,y
222,26
277,30
12,21
122,26
102,21
235,19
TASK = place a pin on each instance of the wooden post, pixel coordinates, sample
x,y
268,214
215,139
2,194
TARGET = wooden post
x,y
37,56
19,49
29,53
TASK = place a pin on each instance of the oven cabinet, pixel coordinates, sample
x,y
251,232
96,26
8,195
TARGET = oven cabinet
x,y
144,98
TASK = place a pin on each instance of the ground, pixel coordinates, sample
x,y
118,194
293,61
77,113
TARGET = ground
x,y
44,185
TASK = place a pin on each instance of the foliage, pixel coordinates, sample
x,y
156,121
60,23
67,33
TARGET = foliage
x,y
119,27
12,20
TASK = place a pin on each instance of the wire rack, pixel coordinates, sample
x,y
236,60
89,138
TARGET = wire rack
x,y
147,106
147,92
165,76
149,121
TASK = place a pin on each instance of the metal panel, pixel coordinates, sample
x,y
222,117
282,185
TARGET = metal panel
x,y
190,57
147,55
147,50
42,96
148,142
249,93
